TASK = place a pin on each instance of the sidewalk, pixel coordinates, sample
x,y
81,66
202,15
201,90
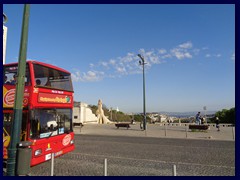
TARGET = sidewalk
x,y
157,130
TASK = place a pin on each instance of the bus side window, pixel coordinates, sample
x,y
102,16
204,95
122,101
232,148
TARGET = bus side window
x,y
27,82
38,82
48,83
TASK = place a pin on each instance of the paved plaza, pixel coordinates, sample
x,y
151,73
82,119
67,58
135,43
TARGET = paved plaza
x,y
133,152
173,130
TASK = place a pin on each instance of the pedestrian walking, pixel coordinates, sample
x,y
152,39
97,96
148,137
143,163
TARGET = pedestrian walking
x,y
141,125
217,124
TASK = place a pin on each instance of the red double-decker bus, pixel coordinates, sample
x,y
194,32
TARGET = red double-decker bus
x,y
47,109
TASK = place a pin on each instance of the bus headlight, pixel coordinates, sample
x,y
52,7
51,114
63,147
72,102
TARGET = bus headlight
x,y
38,152
72,141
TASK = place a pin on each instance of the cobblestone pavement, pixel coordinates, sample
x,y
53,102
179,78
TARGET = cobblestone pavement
x,y
136,153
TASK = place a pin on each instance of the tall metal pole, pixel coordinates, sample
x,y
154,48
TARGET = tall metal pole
x,y
18,102
144,99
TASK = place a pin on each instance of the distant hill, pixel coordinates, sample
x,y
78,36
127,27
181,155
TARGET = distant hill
x,y
184,114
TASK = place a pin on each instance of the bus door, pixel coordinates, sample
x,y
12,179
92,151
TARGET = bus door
x,y
7,126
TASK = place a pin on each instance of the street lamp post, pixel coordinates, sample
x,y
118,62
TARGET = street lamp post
x,y
142,62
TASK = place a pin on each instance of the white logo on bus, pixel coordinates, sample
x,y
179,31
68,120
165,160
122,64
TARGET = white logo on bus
x,y
66,140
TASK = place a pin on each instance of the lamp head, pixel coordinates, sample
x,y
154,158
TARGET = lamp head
x,y
139,55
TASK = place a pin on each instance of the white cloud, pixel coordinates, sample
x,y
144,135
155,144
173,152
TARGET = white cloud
x,y
208,55
89,76
141,50
112,61
117,67
149,53
162,51
196,51
187,55
93,76
121,70
76,76
213,55
154,60
166,56
129,64
128,58
182,51
104,64
150,57
186,45
131,54
205,48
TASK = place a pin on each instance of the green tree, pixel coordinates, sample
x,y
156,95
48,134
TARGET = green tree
x,y
93,108
138,118
226,116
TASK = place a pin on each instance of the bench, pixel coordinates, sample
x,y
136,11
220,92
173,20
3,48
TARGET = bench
x,y
127,125
78,124
200,127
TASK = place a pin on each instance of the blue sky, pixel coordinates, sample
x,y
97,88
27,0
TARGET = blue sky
x,y
189,50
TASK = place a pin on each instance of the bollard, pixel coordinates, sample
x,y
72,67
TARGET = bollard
x,y
186,131
24,154
52,164
105,167
165,130
174,170
233,132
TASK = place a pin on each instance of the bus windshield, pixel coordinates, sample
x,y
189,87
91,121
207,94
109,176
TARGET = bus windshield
x,y
52,78
50,122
